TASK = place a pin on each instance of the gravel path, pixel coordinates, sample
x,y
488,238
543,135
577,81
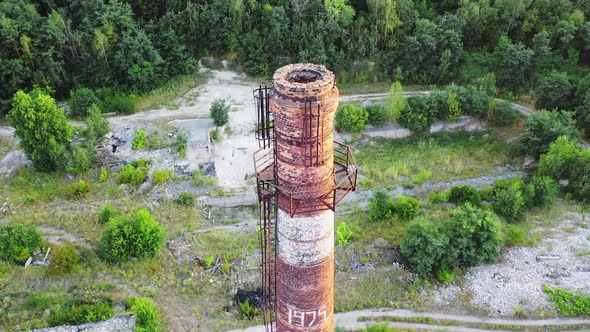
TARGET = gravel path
x,y
349,321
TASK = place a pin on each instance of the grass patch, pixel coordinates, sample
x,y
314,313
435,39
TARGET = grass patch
x,y
456,155
583,252
568,303
174,88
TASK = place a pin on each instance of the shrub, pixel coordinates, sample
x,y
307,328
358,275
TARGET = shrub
x,y
108,212
247,310
473,101
580,177
509,201
544,190
444,276
351,119
104,174
568,303
139,140
186,199
415,116
464,194
64,259
558,161
160,177
219,112
80,101
504,115
377,114
554,91
181,144
132,175
126,237
424,246
515,235
215,136
381,206
42,128
543,128
18,242
406,207
78,189
474,237
97,126
343,233
453,110
82,158
78,311
117,102
395,102
583,112
146,313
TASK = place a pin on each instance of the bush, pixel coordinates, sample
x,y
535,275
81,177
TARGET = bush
x,y
554,91
108,212
247,310
558,161
219,112
406,207
351,119
580,177
568,303
377,114
444,276
126,237
82,159
395,102
215,136
117,102
139,140
98,126
464,194
18,242
509,201
78,189
380,206
543,128
544,190
132,175
160,177
474,237
78,311
473,101
424,246
415,117
343,233
64,259
146,313
186,199
515,235
504,115
80,101
453,110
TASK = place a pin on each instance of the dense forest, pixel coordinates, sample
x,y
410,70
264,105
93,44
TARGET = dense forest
x,y
539,48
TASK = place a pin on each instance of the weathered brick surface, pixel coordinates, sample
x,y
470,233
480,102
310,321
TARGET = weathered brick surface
x,y
303,103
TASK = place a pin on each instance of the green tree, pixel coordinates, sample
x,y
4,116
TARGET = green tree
x,y
96,126
395,102
554,91
80,101
219,112
381,206
424,246
127,237
513,63
352,119
43,129
18,242
583,114
580,177
543,127
474,237
559,159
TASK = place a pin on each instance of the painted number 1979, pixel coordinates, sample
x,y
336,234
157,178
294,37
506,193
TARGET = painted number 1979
x,y
307,318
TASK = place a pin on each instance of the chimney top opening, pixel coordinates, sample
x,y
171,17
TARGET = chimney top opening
x,y
303,75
